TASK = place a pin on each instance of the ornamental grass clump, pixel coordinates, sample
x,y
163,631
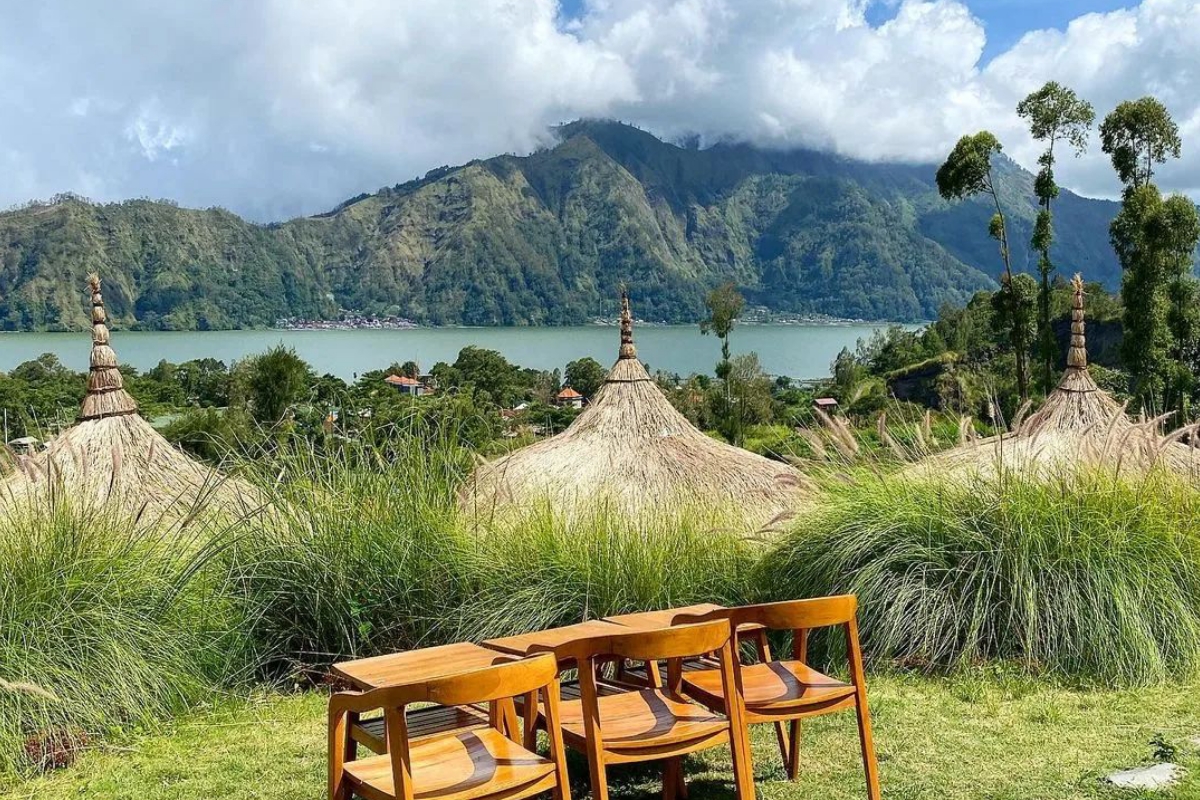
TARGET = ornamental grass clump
x,y
548,568
105,625
1092,575
359,551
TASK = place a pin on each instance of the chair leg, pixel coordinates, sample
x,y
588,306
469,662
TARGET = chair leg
x,y
792,762
599,776
743,771
672,778
781,738
867,741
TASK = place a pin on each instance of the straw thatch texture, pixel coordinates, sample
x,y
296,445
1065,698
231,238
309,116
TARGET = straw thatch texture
x,y
112,455
631,448
121,460
1079,425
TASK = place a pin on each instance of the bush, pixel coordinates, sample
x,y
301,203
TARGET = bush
x,y
104,625
544,570
1091,576
359,552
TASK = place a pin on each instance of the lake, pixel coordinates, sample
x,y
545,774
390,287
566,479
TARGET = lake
x,y
798,351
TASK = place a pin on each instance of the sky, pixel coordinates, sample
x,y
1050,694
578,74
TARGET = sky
x,y
277,108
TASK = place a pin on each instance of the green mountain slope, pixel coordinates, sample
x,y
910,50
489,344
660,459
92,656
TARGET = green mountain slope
x,y
544,239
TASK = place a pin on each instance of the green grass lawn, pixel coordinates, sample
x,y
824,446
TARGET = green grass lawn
x,y
976,736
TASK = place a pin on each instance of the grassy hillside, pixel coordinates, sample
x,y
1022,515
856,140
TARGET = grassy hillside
x,y
544,239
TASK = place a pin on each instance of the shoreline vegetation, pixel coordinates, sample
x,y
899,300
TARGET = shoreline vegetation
x,y
350,321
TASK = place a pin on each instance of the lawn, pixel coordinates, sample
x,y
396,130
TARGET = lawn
x,y
980,735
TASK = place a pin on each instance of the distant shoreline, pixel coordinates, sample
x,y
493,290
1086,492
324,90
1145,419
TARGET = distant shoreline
x,y
408,325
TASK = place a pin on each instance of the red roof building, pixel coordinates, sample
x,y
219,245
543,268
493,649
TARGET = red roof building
x,y
569,397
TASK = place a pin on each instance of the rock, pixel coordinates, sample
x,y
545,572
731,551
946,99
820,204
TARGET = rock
x,y
1154,778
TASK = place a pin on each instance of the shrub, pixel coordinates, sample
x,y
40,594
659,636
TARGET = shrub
x,y
358,553
104,625
1090,575
544,569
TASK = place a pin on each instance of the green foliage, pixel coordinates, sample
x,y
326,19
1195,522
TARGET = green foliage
x,y
543,570
1054,112
105,625
1136,135
585,375
967,171
1088,575
274,382
1155,241
542,239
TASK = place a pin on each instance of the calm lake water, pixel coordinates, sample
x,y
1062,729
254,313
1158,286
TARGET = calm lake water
x,y
798,351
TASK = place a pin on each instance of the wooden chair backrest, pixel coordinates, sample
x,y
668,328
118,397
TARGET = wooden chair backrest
x,y
788,615
499,683
679,641
508,677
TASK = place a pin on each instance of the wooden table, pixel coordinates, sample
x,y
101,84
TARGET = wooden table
x,y
663,618
526,643
412,666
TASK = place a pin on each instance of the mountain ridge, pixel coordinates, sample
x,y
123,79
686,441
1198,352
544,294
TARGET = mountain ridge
x,y
542,239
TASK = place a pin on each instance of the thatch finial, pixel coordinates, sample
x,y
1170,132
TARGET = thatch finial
x,y
106,395
627,348
1077,354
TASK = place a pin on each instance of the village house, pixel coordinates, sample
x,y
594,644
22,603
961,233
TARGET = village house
x,y
568,398
414,387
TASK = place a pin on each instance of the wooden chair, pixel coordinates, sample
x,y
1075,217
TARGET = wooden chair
x,y
788,689
651,723
485,763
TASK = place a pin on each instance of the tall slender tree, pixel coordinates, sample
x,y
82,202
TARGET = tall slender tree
x,y
1054,113
1154,240
968,172
725,304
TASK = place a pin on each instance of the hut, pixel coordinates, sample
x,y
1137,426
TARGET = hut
x,y
112,456
1079,425
631,449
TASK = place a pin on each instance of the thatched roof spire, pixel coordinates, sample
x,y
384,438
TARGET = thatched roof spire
x,y
631,448
628,350
106,395
1077,355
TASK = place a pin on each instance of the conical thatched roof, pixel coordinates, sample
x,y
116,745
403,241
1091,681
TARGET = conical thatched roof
x,y
1080,424
112,455
631,448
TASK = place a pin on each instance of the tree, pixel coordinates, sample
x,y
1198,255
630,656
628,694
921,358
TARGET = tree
x,y
488,371
724,305
1175,232
1154,240
1136,135
586,375
274,382
967,172
1054,113
747,399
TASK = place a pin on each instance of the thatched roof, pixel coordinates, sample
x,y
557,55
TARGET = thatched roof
x,y
112,455
631,448
1080,424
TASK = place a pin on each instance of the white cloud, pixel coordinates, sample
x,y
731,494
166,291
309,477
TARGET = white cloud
x,y
288,106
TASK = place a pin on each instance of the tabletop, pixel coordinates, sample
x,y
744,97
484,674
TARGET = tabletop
x,y
663,618
525,643
409,666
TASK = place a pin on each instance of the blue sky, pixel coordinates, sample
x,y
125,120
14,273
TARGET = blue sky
x,y
1004,20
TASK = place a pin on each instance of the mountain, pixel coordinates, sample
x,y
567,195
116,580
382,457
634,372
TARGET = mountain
x,y
545,239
